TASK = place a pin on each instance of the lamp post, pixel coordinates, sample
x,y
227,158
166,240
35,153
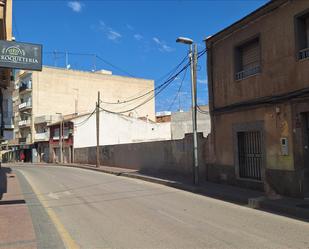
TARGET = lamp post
x,y
60,137
193,64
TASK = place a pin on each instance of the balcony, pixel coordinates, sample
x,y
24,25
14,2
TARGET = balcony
x,y
248,72
44,136
25,140
25,105
43,119
24,123
24,88
303,54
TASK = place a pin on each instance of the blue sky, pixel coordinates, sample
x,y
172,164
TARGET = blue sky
x,y
136,36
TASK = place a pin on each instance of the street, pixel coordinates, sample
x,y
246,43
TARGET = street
x,y
80,208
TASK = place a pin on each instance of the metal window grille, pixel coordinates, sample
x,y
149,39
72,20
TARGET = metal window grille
x,y
250,154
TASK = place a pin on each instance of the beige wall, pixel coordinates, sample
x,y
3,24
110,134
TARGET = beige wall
x,y
60,90
280,70
276,125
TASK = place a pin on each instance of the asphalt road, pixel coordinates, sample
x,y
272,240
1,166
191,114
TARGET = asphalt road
x,y
78,208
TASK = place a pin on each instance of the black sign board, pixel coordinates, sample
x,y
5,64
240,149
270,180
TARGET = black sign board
x,y
20,55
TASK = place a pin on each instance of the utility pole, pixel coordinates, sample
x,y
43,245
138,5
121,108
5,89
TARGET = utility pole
x,y
194,112
193,65
98,129
60,141
60,137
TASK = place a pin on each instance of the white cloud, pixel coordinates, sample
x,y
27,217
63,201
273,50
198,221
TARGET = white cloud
x,y
163,47
113,35
130,27
110,33
75,6
202,81
138,37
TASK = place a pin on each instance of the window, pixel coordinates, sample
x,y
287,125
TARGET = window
x,y
56,133
302,38
247,59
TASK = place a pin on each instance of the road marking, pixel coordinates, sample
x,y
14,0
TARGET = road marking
x,y
64,234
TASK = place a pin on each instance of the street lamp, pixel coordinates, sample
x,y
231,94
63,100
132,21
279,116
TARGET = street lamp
x,y
60,136
193,64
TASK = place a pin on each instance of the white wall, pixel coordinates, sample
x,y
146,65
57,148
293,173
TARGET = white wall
x,y
118,129
181,123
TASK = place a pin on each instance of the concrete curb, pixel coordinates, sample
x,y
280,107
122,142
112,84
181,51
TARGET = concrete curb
x,y
260,203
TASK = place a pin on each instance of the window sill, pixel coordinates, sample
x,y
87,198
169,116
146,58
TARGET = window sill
x,y
249,76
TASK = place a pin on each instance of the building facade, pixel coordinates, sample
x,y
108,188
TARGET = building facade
x,y
181,123
258,74
58,140
45,97
117,129
6,88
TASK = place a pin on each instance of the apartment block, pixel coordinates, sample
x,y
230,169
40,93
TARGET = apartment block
x,y
45,97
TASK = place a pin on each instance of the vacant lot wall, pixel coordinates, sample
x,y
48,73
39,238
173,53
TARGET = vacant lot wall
x,y
167,157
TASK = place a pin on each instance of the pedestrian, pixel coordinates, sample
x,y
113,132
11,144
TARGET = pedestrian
x,y
22,156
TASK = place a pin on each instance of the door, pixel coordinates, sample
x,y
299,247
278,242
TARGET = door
x,y
250,155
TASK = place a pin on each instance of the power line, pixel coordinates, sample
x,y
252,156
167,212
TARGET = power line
x,y
151,91
200,110
97,57
86,119
178,91
156,94
112,65
161,87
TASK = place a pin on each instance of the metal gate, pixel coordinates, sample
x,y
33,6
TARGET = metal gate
x,y
250,154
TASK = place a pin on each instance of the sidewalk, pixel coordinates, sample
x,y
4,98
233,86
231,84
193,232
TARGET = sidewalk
x,y
295,208
16,229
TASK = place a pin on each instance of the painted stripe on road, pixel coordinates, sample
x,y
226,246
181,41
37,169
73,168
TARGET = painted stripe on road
x,y
64,234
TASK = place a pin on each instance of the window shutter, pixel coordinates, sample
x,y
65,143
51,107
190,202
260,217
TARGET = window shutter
x,y
250,55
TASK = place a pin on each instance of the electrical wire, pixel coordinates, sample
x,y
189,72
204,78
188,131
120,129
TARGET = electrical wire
x,y
178,91
112,65
86,119
162,87
200,110
156,94
151,91
96,56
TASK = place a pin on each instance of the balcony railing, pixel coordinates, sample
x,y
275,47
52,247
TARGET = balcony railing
x,y
25,122
44,136
25,105
25,140
25,88
303,54
43,119
248,72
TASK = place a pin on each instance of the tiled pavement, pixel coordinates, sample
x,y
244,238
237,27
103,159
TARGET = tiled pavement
x,y
16,229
